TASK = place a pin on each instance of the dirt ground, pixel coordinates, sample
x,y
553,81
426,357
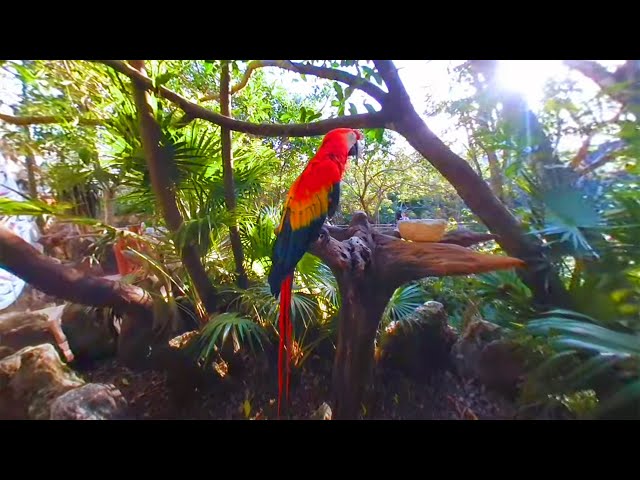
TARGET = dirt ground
x,y
443,396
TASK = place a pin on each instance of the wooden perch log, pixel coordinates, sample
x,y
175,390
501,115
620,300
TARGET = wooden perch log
x,y
403,261
369,266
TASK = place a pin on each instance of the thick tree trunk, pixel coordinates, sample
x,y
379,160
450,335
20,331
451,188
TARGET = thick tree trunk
x,y
545,284
229,183
109,205
369,266
363,303
540,277
164,190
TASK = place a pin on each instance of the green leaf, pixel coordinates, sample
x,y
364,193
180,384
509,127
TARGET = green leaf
x,y
585,336
352,109
404,302
370,72
218,329
512,170
164,78
246,408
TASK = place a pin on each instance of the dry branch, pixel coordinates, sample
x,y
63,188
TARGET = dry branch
x,y
321,72
238,86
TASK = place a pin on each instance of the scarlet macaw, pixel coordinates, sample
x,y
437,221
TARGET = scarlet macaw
x,y
314,195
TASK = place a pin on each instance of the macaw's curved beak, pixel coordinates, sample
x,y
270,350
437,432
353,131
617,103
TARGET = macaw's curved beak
x,y
356,150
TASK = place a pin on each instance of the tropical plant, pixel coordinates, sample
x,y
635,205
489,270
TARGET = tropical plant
x,y
583,354
403,303
221,328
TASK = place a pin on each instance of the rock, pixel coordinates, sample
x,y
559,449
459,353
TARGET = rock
x,y
420,344
482,353
94,401
30,380
322,413
89,331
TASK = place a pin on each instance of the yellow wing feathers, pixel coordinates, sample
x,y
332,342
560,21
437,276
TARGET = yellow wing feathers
x,y
303,211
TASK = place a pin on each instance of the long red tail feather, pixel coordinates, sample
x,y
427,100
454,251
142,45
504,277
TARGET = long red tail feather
x,y
286,330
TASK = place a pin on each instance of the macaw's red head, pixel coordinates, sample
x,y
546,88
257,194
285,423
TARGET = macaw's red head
x,y
343,142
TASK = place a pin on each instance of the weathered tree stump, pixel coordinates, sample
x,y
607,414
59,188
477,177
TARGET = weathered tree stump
x,y
419,345
369,266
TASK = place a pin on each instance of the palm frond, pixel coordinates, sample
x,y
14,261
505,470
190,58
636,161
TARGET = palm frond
x,y
214,334
403,303
595,351
586,336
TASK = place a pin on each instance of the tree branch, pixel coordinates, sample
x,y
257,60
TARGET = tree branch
x,y
253,66
389,73
321,72
330,74
344,248
604,154
466,238
367,120
460,236
628,72
42,272
594,71
48,120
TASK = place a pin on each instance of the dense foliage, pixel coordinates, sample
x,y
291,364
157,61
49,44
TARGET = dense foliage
x,y
568,170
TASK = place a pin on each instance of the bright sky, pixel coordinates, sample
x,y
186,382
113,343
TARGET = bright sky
x,y
431,77
527,77
421,77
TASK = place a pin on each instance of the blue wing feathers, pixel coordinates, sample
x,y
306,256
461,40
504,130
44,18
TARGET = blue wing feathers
x,y
289,247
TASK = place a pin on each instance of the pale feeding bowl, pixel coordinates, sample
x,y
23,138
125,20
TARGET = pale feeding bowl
x,y
422,229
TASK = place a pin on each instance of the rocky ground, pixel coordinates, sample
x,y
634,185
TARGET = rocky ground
x,y
445,390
